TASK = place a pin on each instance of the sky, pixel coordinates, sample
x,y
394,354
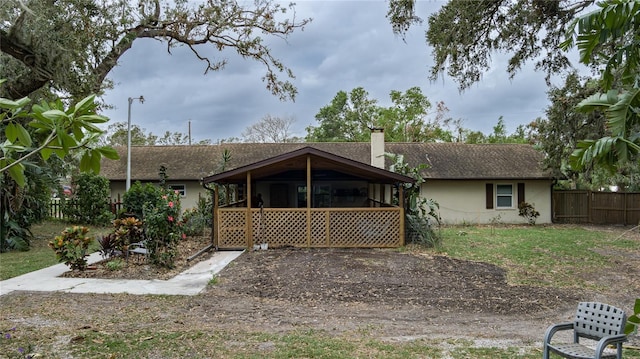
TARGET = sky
x,y
348,44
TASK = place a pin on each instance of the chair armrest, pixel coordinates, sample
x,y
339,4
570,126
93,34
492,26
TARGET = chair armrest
x,y
555,328
610,339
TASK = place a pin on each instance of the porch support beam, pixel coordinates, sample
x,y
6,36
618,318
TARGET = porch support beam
x,y
308,201
216,225
401,205
249,225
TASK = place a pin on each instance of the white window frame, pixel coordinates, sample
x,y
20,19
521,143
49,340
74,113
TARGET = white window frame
x,y
504,195
182,191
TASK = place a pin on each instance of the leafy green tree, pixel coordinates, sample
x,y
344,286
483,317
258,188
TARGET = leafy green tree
x,y
407,119
346,119
563,126
465,34
350,117
70,46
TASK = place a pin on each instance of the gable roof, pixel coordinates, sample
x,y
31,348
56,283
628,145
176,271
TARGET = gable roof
x,y
451,161
320,160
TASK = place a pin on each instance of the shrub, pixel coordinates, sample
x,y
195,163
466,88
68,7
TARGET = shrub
x,y
194,222
163,229
89,203
529,213
138,196
71,247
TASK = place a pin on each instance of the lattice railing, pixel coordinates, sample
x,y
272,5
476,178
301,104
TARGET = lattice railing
x,y
328,227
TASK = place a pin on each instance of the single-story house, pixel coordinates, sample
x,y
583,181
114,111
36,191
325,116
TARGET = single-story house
x,y
473,183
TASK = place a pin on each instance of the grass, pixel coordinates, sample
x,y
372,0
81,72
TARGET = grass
x,y
194,343
13,264
537,255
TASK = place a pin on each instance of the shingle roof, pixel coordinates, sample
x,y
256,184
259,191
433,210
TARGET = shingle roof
x,y
446,160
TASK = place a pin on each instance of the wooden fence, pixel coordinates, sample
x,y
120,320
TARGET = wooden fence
x,y
596,207
55,206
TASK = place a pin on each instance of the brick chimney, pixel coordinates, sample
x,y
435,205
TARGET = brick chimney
x,y
377,147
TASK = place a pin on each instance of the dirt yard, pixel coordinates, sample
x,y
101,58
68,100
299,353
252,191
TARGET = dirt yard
x,y
393,295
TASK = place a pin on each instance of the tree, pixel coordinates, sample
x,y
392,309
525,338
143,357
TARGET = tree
x,y
347,118
54,131
70,46
563,127
406,120
465,34
350,116
270,129
607,39
116,135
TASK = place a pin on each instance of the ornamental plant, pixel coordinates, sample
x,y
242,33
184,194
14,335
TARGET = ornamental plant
x,y
71,247
164,229
127,230
529,213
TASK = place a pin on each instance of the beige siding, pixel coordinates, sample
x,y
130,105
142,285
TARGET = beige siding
x,y
193,189
464,202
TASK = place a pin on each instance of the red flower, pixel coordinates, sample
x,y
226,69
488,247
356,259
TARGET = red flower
x,y
171,204
170,218
184,236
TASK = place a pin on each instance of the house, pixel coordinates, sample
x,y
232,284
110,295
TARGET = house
x,y
473,183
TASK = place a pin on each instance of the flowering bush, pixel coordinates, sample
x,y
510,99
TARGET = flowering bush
x,y
71,247
163,229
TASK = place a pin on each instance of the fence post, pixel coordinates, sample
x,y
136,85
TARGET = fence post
x,y
589,210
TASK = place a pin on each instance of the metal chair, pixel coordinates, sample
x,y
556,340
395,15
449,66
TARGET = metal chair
x,y
597,321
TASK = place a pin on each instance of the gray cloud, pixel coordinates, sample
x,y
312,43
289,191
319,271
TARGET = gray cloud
x,y
348,44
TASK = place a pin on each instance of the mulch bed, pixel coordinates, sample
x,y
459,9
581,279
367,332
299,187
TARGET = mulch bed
x,y
134,268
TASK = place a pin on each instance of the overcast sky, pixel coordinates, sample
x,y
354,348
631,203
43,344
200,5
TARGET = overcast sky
x,y
348,44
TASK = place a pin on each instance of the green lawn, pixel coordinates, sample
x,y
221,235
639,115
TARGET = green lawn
x,y
40,256
537,255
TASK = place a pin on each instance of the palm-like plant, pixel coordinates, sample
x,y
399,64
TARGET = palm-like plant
x,y
609,38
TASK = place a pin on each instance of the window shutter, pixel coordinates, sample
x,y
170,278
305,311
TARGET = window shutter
x,y
520,193
489,191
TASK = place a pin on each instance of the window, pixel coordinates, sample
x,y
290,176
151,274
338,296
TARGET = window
x,y
504,196
182,189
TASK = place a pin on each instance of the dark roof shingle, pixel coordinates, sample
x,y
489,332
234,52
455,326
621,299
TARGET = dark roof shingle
x,y
445,160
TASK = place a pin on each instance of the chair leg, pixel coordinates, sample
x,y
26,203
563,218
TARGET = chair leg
x,y
545,351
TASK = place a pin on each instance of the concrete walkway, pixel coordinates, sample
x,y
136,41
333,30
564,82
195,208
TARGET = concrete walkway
x,y
190,282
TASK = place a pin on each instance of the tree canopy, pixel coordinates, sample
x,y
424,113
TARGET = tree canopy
x,y
270,129
70,46
466,34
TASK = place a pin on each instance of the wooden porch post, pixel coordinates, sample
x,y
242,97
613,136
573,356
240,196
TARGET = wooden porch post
x,y
215,224
249,225
401,205
308,201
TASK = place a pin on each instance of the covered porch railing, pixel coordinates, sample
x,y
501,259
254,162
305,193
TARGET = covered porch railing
x,y
313,227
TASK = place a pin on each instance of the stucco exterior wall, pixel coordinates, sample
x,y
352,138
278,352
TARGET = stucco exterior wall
x,y
464,202
190,200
